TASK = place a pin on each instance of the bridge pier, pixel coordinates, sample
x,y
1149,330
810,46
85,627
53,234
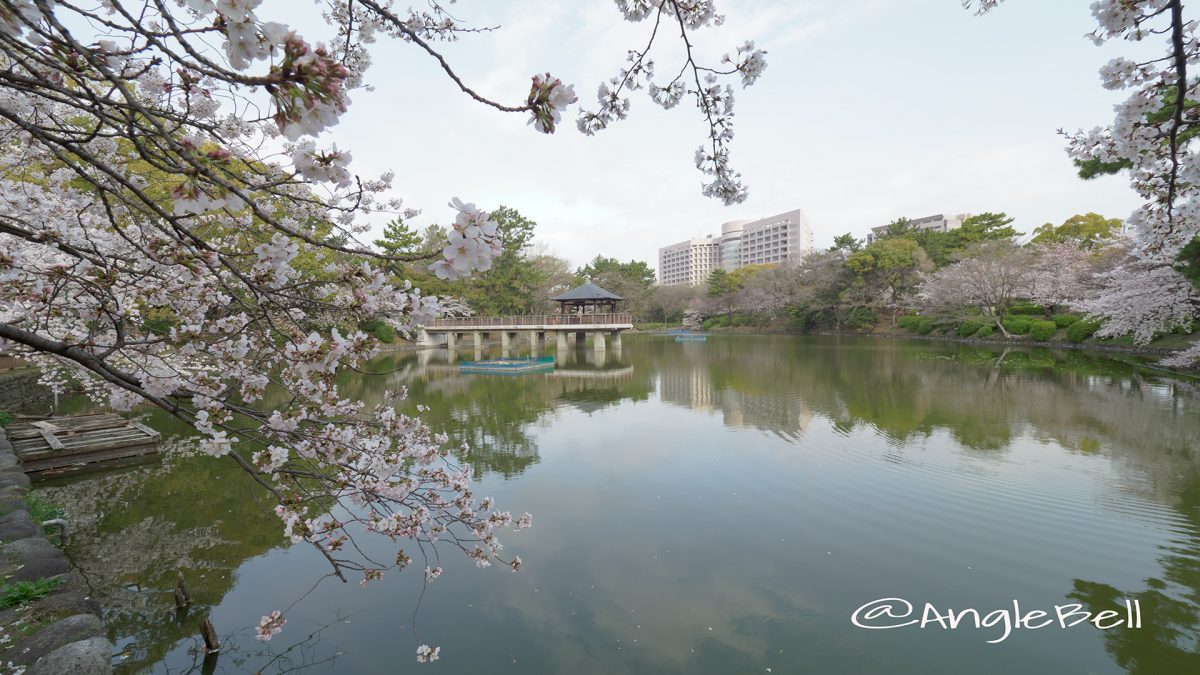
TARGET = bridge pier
x,y
566,330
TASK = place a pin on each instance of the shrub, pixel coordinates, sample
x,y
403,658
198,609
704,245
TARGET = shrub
x,y
42,509
1042,330
862,317
1064,320
20,592
984,331
1017,325
1082,330
709,323
386,333
1026,309
925,325
908,322
969,328
5,418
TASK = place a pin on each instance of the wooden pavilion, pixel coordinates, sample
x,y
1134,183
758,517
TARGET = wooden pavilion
x,y
587,299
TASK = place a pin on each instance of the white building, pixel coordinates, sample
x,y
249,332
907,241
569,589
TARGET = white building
x,y
689,262
731,244
938,223
777,239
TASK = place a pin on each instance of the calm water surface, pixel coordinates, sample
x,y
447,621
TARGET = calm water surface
x,y
719,507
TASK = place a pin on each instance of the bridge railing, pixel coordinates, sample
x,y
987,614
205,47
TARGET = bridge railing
x,y
533,320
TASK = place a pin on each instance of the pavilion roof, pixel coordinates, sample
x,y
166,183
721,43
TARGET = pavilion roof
x,y
588,291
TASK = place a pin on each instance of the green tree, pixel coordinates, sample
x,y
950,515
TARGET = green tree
x,y
846,242
399,239
632,280
1090,230
888,269
898,227
509,286
718,283
945,247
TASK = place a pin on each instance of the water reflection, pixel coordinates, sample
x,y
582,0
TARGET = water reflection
x,y
722,507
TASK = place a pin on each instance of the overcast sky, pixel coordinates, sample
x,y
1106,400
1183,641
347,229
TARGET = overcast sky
x,y
868,110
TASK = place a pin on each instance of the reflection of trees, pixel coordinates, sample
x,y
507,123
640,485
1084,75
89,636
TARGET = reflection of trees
x,y
492,415
137,528
905,390
1169,639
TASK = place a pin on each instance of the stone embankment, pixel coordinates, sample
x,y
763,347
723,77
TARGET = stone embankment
x,y
62,631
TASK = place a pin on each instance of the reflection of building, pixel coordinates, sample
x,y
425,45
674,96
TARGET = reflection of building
x,y
937,223
693,388
689,387
773,240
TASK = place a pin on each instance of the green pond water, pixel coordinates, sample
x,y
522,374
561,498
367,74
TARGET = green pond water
x,y
717,507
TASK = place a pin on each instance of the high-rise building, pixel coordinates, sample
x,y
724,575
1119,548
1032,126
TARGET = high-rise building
x,y
688,262
731,244
774,240
937,223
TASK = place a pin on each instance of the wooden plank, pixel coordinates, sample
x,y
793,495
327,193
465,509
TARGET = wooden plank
x,y
99,438
88,423
149,432
44,426
50,463
83,448
51,440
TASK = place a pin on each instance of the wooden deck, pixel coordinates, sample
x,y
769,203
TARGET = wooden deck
x,y
65,443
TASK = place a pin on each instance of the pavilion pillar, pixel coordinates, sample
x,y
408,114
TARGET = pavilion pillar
x,y
504,343
616,339
562,341
598,341
534,343
478,335
450,340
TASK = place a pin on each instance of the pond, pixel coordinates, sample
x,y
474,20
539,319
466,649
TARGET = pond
x,y
714,507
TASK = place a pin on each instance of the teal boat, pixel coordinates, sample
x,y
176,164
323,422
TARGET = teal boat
x,y
510,366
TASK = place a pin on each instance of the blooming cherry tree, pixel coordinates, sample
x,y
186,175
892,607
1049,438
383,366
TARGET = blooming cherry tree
x,y
1152,138
172,232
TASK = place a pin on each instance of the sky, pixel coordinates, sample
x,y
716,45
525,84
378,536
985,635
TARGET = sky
x,y
868,111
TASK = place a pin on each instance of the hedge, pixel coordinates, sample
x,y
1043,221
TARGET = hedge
x,y
386,333
984,331
1082,330
968,328
1064,320
862,317
1027,309
1042,330
1017,325
908,322
925,325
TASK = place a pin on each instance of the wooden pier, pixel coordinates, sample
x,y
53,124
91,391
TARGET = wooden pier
x,y
65,443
